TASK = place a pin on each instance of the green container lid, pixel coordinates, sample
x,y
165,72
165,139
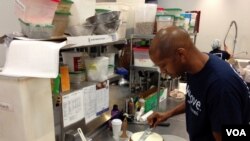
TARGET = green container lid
x,y
173,9
101,10
165,15
62,13
179,17
67,1
36,25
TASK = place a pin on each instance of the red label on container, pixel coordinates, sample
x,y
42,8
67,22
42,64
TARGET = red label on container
x,y
77,63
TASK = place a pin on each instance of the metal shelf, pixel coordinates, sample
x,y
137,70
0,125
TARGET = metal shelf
x,y
139,36
145,68
94,40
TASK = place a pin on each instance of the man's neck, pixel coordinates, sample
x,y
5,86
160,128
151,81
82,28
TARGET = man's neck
x,y
197,62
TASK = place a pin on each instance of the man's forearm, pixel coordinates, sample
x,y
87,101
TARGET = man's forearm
x,y
179,109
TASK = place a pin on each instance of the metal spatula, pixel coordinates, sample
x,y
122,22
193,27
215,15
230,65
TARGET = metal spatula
x,y
146,133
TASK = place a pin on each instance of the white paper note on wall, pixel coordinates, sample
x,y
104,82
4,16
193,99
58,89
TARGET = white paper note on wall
x,y
102,101
32,59
89,100
73,108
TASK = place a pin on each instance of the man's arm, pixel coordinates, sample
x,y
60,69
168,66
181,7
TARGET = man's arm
x,y
179,109
160,117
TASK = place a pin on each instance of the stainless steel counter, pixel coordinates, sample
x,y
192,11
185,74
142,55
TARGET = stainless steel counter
x,y
177,125
98,129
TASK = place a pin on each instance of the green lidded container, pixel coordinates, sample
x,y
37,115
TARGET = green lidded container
x,y
173,11
64,6
151,101
60,22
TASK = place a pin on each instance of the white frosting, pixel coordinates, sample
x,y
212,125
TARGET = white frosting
x,y
151,137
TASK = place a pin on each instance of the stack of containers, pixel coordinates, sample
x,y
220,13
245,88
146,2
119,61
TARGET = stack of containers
x,y
81,10
61,18
164,21
141,57
124,9
168,17
111,64
173,11
133,5
145,19
36,17
75,62
189,21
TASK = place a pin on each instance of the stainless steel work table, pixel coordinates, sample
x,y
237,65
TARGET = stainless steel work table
x,y
177,124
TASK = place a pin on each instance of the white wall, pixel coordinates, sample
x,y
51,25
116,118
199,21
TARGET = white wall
x,y
8,24
216,16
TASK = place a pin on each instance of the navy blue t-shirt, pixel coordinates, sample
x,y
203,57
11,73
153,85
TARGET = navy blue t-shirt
x,y
215,96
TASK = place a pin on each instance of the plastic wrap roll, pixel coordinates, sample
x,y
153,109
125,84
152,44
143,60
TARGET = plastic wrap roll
x,y
145,116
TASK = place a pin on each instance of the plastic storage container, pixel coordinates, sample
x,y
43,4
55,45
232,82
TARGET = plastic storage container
x,y
60,22
36,11
111,69
121,32
74,60
81,10
141,57
64,6
97,68
173,11
132,4
145,19
77,77
164,21
113,6
179,21
36,31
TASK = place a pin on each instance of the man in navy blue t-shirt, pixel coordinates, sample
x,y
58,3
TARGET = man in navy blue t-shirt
x,y
216,95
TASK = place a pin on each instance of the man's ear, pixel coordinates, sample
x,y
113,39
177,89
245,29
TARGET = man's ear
x,y
181,54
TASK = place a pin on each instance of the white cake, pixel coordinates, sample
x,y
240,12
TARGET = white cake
x,y
151,137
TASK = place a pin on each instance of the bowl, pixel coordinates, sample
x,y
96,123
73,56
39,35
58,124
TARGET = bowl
x,y
105,17
79,30
107,28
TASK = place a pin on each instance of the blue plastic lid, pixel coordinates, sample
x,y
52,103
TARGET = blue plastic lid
x,y
122,71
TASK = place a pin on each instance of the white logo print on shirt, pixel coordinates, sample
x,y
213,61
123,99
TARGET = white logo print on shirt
x,y
194,103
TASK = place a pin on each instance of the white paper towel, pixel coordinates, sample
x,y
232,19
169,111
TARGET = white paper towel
x,y
32,59
145,116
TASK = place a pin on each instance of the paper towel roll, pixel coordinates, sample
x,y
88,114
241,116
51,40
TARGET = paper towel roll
x,y
145,116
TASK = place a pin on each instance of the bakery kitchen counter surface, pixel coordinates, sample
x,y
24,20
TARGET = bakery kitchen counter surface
x,y
177,126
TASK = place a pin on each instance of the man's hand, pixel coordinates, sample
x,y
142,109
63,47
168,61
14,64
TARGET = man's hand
x,y
157,118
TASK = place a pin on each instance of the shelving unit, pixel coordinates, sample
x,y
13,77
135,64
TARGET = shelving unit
x,y
134,68
86,42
